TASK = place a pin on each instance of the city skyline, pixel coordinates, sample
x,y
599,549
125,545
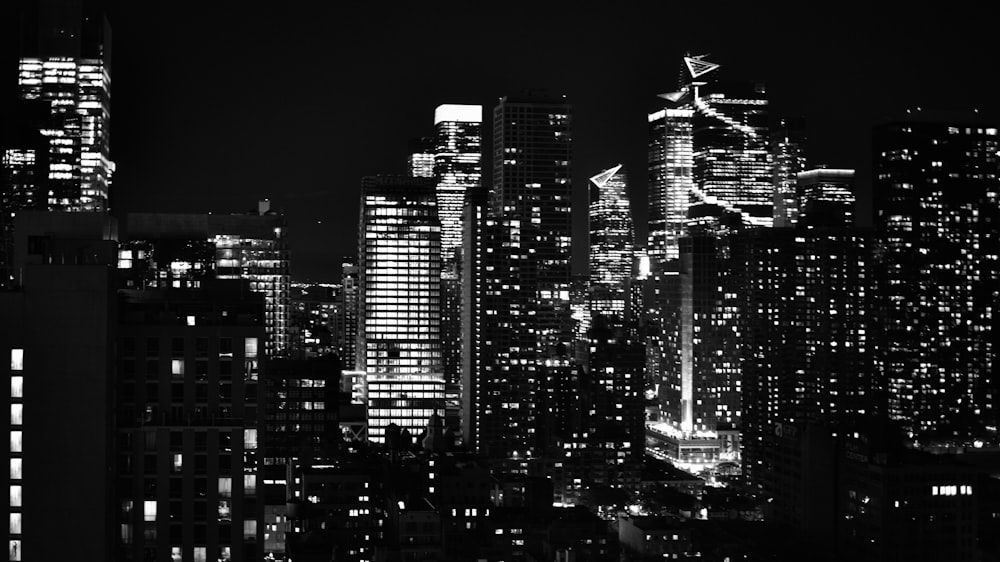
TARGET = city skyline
x,y
723,289
841,91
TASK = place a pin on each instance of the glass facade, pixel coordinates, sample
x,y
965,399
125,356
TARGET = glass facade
x,y
400,300
611,248
78,129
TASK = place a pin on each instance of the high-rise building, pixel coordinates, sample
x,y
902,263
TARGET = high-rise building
x,y
399,328
807,327
55,148
457,167
190,417
526,328
788,153
937,207
165,250
825,197
708,156
56,346
611,246
65,62
349,333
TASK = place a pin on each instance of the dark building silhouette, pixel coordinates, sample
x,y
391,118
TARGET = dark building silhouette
x,y
56,339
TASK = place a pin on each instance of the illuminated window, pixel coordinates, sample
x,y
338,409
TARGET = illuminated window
x,y
149,510
249,529
15,495
178,462
190,320
15,469
249,483
200,554
16,413
17,360
15,441
14,550
225,487
175,554
250,348
177,366
15,523
16,387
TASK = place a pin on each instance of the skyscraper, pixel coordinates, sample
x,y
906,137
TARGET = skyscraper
x,y
708,156
55,152
66,63
788,152
399,335
457,168
611,246
526,324
937,206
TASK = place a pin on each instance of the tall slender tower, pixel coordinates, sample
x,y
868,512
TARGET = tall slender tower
x,y
399,328
788,153
526,323
457,167
611,248
937,204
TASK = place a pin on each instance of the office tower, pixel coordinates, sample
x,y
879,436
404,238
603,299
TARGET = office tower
x,y
399,277
301,415
807,326
526,325
936,207
349,334
420,163
189,421
56,334
457,167
708,157
611,251
183,250
825,197
65,63
788,153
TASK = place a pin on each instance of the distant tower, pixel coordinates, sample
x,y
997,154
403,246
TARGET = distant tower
x,y
420,163
399,276
788,152
611,248
708,157
825,197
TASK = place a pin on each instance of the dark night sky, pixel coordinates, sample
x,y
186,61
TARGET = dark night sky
x,y
218,104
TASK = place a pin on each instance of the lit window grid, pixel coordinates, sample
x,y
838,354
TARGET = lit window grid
x,y
79,163
16,452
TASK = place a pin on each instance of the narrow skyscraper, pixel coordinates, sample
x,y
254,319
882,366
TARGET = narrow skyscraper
x,y
788,154
611,247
